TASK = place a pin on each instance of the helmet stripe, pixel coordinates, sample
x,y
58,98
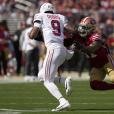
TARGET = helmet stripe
x,y
84,20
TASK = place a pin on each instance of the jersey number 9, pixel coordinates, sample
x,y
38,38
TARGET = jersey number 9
x,y
56,27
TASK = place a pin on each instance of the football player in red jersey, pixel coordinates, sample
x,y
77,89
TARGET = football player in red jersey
x,y
92,43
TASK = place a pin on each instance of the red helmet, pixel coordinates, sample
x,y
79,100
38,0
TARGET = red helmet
x,y
86,26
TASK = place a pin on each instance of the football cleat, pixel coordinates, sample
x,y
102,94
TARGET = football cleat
x,y
63,106
68,86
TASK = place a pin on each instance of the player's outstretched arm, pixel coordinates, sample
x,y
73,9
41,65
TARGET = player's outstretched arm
x,y
93,47
70,29
96,44
88,50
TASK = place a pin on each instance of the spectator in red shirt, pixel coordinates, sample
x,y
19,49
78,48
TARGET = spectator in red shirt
x,y
3,44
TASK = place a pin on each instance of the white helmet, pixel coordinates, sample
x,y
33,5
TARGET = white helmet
x,y
46,7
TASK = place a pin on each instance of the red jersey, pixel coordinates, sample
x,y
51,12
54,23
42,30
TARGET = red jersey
x,y
99,58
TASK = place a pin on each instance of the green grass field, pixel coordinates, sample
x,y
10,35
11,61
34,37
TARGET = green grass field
x,y
33,98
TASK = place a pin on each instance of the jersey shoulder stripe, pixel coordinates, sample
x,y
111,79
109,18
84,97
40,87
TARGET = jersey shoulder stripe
x,y
96,36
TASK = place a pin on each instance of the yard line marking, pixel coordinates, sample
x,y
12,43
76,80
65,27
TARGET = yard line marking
x,y
83,103
77,93
109,111
91,97
7,112
17,110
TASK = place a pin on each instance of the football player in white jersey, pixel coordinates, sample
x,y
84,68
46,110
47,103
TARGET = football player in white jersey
x,y
52,25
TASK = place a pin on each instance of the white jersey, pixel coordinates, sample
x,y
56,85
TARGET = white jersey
x,y
52,26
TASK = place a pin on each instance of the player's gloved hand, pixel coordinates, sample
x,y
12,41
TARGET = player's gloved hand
x,y
78,46
76,27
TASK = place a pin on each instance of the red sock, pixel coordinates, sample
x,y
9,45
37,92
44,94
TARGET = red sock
x,y
100,85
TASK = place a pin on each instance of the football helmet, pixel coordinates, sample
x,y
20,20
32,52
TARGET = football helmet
x,y
86,26
46,7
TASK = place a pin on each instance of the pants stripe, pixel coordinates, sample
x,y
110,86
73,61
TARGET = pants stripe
x,y
48,65
46,70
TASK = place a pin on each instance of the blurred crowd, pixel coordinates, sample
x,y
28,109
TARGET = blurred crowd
x,y
14,15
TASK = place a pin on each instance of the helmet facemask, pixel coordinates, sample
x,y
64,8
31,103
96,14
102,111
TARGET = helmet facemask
x,y
85,30
86,26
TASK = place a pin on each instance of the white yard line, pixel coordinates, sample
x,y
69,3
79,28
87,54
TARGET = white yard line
x,y
17,111
77,97
43,103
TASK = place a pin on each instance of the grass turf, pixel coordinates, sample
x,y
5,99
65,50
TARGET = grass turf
x,y
33,98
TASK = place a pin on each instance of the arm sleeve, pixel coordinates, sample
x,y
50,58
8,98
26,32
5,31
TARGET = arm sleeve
x,y
97,43
93,47
37,20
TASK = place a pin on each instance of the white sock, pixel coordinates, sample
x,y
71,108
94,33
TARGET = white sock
x,y
62,100
52,88
60,80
